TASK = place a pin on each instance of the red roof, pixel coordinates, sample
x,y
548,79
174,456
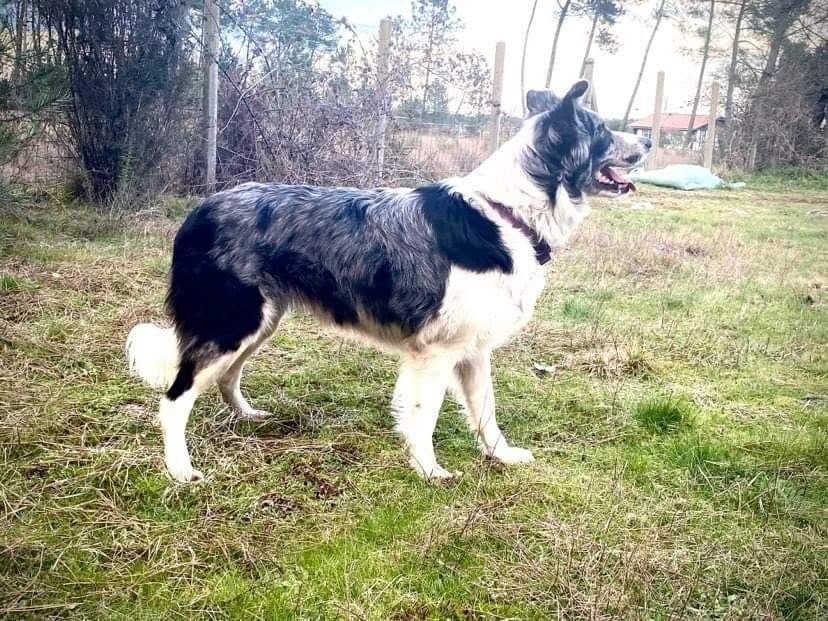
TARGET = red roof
x,y
671,121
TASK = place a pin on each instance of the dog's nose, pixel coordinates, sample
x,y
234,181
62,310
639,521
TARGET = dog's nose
x,y
648,144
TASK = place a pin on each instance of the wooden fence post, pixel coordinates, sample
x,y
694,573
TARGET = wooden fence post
x,y
656,135
710,138
383,54
210,46
589,100
497,94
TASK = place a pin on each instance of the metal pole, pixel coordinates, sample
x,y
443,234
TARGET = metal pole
x,y
710,138
210,47
497,95
659,106
383,54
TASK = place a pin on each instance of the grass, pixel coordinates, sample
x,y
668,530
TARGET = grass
x,y
663,414
679,423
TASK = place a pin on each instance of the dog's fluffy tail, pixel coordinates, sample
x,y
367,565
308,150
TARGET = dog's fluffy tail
x,y
152,352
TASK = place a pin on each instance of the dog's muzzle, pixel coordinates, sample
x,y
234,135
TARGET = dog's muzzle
x,y
628,151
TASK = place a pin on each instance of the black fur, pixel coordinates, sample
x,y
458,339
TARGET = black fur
x,y
207,296
463,234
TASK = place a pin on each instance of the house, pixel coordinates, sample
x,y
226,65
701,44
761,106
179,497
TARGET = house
x,y
674,127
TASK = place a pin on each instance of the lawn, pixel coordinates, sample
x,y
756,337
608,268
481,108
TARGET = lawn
x,y
673,388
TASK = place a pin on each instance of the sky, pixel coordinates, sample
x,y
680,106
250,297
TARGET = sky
x,y
488,21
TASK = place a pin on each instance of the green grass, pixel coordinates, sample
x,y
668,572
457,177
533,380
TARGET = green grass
x,y
663,414
679,425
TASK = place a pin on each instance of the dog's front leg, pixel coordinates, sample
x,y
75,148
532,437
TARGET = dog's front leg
x,y
418,396
476,393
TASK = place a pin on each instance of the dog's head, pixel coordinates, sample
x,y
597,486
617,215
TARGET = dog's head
x,y
571,146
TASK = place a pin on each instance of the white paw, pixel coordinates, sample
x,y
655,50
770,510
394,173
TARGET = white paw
x,y
253,415
434,473
438,473
184,473
513,455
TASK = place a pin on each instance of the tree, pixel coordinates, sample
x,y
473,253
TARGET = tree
x,y
776,18
659,15
777,84
604,13
731,71
127,83
431,30
688,136
431,72
523,57
564,10
472,75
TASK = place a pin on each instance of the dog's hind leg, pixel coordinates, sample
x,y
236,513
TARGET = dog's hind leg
x,y
192,379
230,381
202,365
476,394
418,396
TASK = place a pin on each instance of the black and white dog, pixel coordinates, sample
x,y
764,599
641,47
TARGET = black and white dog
x,y
441,274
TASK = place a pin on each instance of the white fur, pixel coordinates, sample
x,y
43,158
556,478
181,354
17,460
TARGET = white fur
x,y
630,139
152,353
173,416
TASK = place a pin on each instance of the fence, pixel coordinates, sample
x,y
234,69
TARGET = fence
x,y
436,150
663,152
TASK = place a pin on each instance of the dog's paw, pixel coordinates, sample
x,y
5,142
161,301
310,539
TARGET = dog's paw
x,y
185,474
434,473
438,474
513,455
253,415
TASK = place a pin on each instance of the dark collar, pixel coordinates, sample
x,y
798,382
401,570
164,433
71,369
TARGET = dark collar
x,y
542,250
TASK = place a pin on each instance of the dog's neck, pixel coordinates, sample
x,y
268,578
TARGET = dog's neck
x,y
502,179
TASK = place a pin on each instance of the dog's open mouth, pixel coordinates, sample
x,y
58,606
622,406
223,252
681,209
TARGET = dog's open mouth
x,y
609,180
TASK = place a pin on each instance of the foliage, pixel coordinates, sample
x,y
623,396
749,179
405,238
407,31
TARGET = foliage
x,y
32,82
128,79
780,91
295,105
432,68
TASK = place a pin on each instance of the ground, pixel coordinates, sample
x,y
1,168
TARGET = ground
x,y
672,387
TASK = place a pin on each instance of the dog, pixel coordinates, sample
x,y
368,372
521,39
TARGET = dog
x,y
441,274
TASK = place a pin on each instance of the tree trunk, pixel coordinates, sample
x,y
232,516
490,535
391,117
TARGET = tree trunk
x,y
428,62
731,72
589,41
561,18
19,40
659,15
786,16
689,135
731,79
523,59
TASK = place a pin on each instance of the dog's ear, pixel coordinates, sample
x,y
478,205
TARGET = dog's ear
x,y
575,93
540,101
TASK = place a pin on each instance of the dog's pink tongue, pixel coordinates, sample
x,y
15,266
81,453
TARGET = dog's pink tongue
x,y
624,184
610,172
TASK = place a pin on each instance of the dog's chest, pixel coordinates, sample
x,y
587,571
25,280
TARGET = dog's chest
x,y
485,310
